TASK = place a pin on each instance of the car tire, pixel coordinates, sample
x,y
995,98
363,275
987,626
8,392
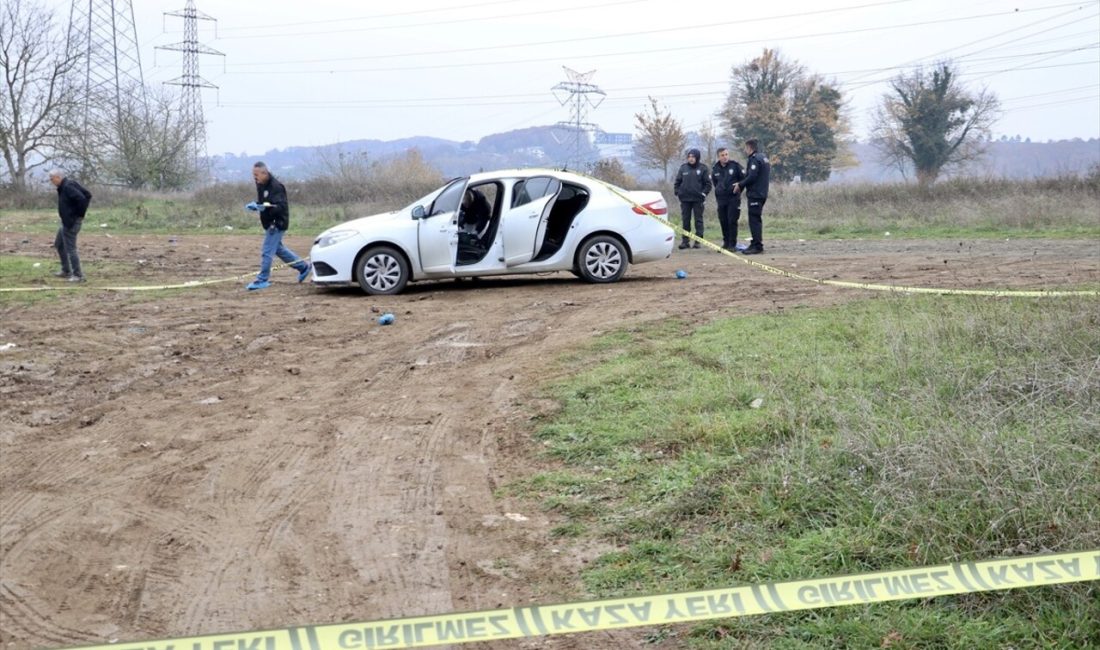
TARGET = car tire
x,y
601,259
382,271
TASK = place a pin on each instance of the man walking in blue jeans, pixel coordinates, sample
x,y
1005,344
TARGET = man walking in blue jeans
x,y
274,209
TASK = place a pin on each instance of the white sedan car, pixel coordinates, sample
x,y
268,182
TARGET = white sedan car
x,y
498,223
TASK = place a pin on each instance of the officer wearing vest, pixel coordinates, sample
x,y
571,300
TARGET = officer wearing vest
x,y
755,186
725,174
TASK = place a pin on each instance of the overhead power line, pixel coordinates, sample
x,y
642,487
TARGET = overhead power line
x,y
374,16
508,61
494,100
584,39
453,21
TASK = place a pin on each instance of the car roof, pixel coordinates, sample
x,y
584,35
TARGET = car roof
x,y
529,173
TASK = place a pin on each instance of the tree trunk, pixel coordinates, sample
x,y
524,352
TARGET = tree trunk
x,y
925,177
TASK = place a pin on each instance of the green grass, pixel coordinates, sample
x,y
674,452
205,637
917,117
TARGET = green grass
x,y
1052,208
892,433
163,216
27,271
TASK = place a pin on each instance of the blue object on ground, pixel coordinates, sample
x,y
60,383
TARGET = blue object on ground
x,y
256,285
681,274
740,247
386,319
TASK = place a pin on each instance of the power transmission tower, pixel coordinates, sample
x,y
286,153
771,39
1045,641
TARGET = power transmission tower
x,y
192,82
577,93
103,34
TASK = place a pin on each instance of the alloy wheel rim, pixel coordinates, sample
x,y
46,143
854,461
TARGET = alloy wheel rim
x,y
603,260
382,272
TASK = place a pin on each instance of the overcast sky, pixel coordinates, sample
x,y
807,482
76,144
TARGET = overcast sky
x,y
322,71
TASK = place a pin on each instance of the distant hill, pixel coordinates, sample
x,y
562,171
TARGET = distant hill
x,y
536,146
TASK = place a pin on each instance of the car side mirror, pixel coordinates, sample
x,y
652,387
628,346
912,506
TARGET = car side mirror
x,y
418,212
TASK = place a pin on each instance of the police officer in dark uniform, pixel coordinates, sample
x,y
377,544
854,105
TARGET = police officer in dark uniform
x,y
691,187
725,174
755,186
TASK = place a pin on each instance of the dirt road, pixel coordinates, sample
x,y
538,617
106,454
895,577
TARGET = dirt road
x,y
216,460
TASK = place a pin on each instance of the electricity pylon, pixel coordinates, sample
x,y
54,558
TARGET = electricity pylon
x,y
577,92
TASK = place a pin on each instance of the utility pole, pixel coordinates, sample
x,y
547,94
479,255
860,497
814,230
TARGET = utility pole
x,y
103,34
192,83
577,92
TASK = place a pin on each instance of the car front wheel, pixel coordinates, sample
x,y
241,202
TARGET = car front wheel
x,y
382,270
601,259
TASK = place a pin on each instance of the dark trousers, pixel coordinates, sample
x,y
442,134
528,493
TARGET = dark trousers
x,y
756,221
689,208
65,243
729,213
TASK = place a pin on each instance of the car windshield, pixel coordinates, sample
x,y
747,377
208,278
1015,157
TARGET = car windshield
x,y
427,200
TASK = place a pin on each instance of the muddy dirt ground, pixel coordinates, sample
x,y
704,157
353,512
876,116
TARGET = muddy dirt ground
x,y
214,460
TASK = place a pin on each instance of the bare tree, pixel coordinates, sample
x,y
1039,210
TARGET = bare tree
x,y
660,138
929,122
708,141
37,96
141,145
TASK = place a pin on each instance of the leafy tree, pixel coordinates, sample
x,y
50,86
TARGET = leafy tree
x,y
35,93
929,122
660,138
796,116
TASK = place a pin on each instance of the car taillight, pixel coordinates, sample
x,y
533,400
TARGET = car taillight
x,y
657,207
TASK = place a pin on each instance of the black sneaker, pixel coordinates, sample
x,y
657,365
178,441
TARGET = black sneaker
x,y
753,250
684,244
62,274
696,245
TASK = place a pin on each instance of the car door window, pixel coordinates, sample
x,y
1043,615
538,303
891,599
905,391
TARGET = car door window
x,y
532,189
449,199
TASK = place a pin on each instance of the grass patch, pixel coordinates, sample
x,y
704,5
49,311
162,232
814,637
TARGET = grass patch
x,y
163,216
28,271
1058,208
889,433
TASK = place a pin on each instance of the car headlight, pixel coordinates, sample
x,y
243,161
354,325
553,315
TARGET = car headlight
x,y
334,237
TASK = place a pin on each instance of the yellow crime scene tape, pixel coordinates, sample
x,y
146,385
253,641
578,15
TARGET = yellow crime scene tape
x,y
687,235
664,609
182,285
844,283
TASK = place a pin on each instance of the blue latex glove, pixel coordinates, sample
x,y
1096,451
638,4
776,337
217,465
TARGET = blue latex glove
x,y
252,207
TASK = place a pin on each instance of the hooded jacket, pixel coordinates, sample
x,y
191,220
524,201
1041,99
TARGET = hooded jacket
x,y
72,202
724,178
278,214
692,181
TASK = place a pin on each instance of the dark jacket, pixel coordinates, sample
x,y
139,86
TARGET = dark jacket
x,y
757,176
692,181
724,178
476,215
278,214
72,202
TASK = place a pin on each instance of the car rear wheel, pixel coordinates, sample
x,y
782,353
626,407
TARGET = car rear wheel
x,y
601,259
382,270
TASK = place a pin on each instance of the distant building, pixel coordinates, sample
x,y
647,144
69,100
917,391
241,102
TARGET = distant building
x,y
615,145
